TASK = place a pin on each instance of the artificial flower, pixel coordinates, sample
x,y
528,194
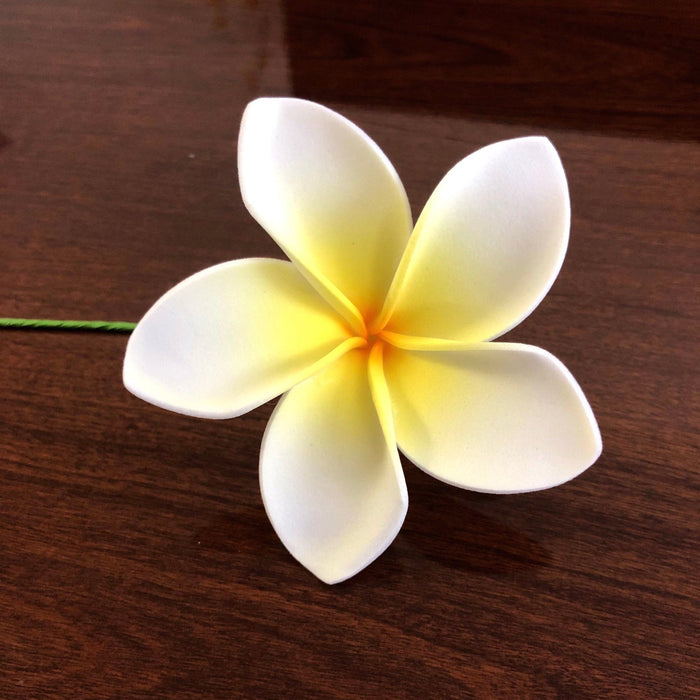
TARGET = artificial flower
x,y
376,332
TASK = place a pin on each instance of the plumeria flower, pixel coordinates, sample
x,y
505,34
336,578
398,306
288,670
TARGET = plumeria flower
x,y
375,332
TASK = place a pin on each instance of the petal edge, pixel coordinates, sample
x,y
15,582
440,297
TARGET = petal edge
x,y
499,418
332,486
487,247
230,338
328,196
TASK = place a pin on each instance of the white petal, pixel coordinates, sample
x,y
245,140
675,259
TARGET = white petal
x,y
499,417
332,485
329,197
488,245
230,338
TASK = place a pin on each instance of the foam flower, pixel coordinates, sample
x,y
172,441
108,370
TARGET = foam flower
x,y
377,333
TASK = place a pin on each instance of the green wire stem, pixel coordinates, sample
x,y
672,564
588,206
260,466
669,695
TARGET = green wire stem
x,y
51,324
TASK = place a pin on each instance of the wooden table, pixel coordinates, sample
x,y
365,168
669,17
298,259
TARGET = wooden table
x,y
136,560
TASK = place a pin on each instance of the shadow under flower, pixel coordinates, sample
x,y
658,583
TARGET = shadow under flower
x,y
443,527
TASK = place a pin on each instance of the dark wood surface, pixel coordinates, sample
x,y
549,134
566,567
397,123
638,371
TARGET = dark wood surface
x,y
136,560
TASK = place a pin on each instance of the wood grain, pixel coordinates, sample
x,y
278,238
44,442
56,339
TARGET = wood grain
x,y
137,560
628,67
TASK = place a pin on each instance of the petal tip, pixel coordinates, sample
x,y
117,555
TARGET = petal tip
x,y
331,486
335,572
334,575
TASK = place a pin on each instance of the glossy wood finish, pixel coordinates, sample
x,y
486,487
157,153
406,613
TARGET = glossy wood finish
x,y
136,558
